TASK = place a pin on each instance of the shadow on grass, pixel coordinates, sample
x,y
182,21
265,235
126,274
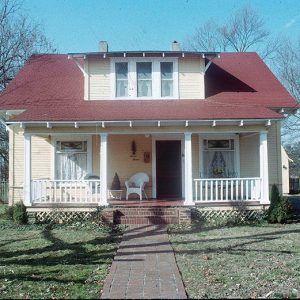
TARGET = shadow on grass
x,y
58,253
238,248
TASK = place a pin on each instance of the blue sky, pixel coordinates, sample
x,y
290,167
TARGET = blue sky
x,y
78,25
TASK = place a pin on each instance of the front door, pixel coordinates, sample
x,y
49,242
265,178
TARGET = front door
x,y
168,169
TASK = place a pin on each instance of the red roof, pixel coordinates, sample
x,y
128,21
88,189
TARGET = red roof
x,y
50,88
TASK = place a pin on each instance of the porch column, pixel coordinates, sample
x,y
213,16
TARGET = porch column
x,y
264,167
188,177
103,169
27,169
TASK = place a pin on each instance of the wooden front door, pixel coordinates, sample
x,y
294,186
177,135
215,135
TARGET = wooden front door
x,y
168,169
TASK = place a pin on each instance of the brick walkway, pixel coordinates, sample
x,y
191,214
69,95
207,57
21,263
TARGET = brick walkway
x,y
144,267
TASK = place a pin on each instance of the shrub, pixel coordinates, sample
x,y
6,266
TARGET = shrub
x,y
9,212
279,210
19,213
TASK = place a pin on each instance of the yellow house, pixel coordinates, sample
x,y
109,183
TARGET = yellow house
x,y
205,127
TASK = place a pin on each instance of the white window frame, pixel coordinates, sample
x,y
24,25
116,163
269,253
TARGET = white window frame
x,y
75,138
132,77
236,149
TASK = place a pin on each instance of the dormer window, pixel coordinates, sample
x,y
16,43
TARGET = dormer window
x,y
166,71
144,78
122,79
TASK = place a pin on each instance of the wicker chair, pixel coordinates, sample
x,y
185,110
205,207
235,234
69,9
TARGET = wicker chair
x,y
136,185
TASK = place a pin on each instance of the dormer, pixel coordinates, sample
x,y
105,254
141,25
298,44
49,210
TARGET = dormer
x,y
143,75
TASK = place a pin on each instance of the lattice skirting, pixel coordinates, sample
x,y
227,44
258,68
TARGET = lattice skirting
x,y
235,215
63,216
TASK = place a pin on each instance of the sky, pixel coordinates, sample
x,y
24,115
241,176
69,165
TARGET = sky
x,y
78,25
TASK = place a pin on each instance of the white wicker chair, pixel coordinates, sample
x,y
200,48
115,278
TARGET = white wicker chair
x,y
136,185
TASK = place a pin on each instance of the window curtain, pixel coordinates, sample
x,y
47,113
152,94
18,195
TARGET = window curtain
x,y
219,164
71,166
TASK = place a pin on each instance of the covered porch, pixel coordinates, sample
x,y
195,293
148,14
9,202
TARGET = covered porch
x,y
210,167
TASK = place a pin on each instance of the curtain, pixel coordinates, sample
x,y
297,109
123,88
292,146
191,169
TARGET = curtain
x,y
219,164
71,166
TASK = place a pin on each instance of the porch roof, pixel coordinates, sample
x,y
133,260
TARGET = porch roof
x,y
138,110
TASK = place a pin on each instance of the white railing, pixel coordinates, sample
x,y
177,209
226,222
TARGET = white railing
x,y
4,191
227,189
65,191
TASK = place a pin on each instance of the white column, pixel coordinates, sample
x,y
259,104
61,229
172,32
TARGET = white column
x,y
27,169
103,169
264,167
188,177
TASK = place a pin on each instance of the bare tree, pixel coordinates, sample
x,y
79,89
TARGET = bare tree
x,y
244,31
207,37
287,67
19,39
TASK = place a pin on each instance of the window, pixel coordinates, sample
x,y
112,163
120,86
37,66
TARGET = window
x,y
122,79
144,79
218,159
138,78
71,160
166,71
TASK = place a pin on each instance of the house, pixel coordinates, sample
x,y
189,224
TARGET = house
x,y
285,171
205,127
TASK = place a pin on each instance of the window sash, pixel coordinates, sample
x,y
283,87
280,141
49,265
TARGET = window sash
x,y
71,160
121,79
144,79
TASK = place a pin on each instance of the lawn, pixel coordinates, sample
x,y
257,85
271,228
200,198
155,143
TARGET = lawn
x,y
253,261
54,261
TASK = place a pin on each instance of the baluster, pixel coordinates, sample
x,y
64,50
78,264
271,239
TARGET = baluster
x,y
201,191
206,190
242,189
222,196
226,191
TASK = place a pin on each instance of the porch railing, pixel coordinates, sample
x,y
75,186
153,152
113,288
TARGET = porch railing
x,y
65,191
227,189
4,191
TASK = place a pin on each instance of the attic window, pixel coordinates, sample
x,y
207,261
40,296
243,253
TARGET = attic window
x,y
144,78
122,79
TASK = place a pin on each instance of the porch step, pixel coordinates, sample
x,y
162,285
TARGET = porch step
x,y
147,215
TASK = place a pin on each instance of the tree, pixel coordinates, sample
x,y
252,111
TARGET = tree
x,y
287,67
244,31
19,39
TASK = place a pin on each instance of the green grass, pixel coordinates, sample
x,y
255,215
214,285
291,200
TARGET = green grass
x,y
54,261
240,261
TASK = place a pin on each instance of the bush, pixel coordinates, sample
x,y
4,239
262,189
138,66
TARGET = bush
x,y
279,210
19,213
9,212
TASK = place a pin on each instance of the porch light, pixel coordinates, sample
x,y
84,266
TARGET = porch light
x,y
49,126
214,123
282,110
158,123
186,123
130,124
103,125
22,125
241,123
76,125
268,123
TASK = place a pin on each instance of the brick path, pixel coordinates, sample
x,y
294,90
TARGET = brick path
x,y
144,267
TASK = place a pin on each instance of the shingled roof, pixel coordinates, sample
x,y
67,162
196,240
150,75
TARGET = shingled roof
x,y
50,88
